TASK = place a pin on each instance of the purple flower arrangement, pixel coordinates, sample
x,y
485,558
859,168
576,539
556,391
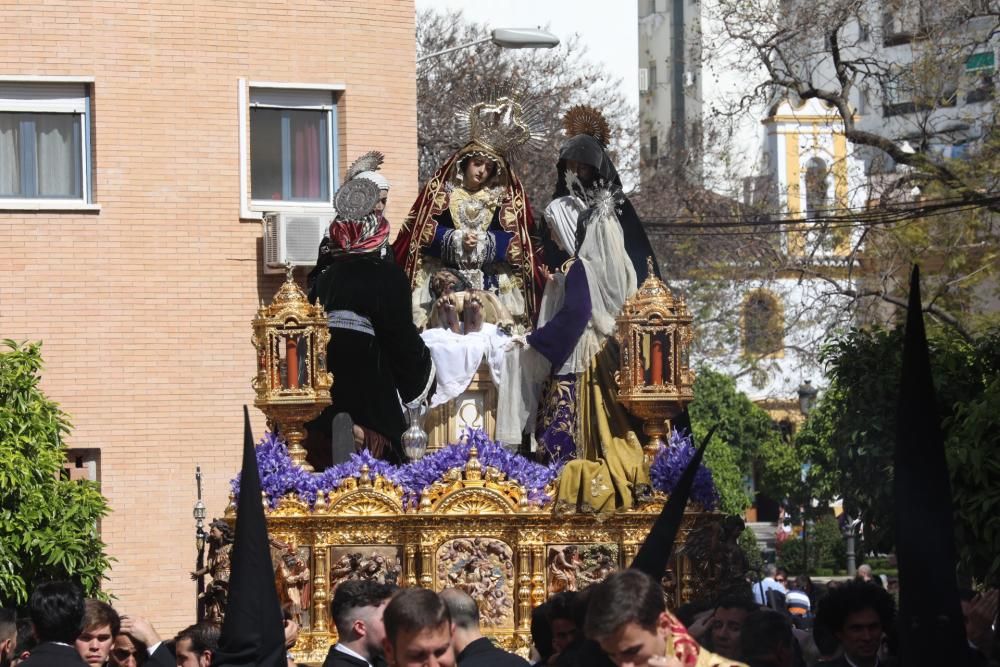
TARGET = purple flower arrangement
x,y
669,465
279,477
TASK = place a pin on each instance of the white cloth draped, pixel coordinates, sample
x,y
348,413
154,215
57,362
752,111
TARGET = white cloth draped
x,y
562,214
611,280
458,357
610,274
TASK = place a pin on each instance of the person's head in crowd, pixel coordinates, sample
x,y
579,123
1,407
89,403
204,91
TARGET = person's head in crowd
x,y
24,644
689,612
127,651
195,645
541,631
727,625
797,600
418,630
627,616
564,620
864,572
8,635
357,610
767,640
801,583
464,614
770,571
100,626
56,610
857,613
781,575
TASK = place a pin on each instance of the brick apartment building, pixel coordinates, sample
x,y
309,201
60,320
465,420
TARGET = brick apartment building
x,y
139,144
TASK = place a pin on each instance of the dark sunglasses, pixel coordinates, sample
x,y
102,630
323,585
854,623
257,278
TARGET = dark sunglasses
x,y
123,654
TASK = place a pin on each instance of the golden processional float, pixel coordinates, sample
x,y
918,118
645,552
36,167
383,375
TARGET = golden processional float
x,y
471,515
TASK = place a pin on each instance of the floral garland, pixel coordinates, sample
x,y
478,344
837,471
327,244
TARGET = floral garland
x,y
669,464
280,477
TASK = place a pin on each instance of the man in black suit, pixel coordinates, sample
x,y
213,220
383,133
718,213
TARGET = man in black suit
x,y
195,645
357,614
56,610
471,647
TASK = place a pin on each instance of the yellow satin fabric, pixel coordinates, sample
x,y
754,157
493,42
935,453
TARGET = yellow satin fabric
x,y
609,471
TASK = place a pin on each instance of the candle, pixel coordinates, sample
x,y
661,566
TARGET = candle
x,y
292,358
657,360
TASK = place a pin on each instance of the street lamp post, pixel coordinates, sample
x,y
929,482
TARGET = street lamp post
x,y
807,397
505,38
807,400
199,539
850,529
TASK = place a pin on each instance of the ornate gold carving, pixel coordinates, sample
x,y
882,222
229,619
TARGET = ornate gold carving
x,y
351,562
473,491
572,567
320,598
654,378
447,422
522,540
285,332
290,506
483,568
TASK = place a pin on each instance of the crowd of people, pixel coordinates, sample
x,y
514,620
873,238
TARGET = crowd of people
x,y
66,629
623,621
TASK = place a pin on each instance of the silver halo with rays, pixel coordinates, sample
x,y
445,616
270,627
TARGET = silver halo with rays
x,y
370,161
356,199
501,117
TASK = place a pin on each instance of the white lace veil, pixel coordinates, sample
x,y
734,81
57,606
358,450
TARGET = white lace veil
x,y
562,214
610,273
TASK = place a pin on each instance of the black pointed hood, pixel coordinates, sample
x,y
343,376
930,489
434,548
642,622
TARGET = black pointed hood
x,y
930,617
252,633
655,552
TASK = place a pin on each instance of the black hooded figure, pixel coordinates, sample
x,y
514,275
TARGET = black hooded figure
x,y
931,627
586,148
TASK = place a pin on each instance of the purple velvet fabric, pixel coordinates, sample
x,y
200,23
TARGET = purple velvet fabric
x,y
557,418
555,341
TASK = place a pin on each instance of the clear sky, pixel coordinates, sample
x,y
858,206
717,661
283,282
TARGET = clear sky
x,y
608,29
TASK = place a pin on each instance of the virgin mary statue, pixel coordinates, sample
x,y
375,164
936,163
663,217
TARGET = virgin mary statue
x,y
471,226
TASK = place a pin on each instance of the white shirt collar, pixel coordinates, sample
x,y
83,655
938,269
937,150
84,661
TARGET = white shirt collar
x,y
354,654
853,664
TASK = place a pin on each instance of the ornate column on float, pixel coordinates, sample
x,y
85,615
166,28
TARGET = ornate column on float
x,y
292,383
654,378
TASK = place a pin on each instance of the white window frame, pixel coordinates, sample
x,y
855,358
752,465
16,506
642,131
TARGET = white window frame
x,y
251,209
85,202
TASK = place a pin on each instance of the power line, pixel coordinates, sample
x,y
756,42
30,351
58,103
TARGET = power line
x,y
777,225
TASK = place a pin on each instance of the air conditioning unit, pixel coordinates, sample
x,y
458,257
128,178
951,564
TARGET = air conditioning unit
x,y
293,238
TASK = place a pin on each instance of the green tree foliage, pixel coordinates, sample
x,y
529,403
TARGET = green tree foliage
x,y
746,437
48,525
825,546
851,435
755,557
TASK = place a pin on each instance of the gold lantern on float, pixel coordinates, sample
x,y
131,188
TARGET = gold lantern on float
x,y
654,378
292,383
